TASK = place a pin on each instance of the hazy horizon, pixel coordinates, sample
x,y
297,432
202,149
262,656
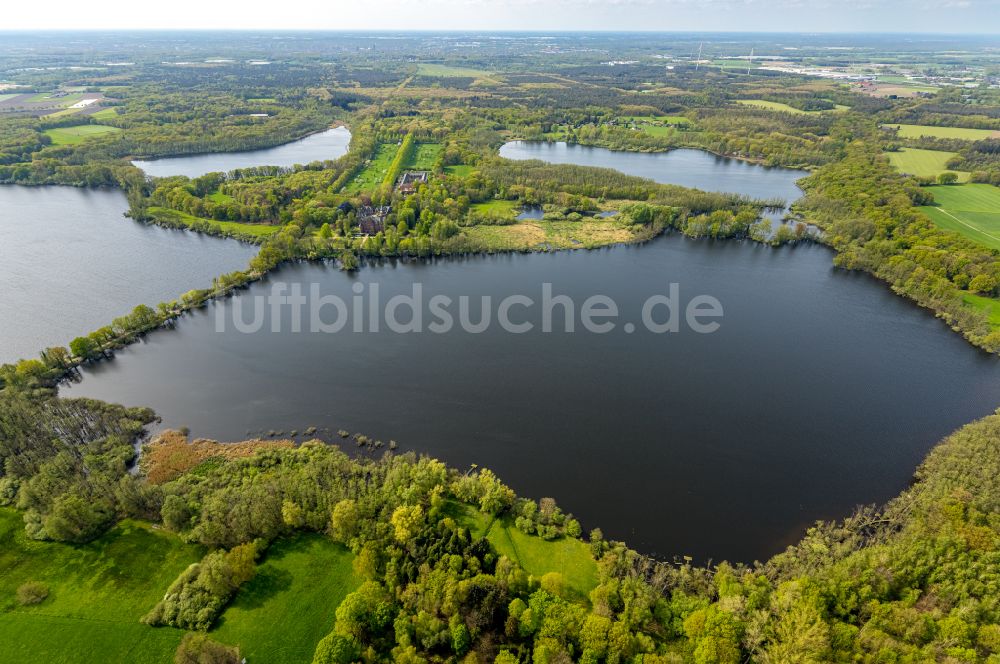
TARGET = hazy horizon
x,y
716,16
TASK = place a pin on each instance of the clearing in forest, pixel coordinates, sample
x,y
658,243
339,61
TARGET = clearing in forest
x,y
282,613
924,163
74,135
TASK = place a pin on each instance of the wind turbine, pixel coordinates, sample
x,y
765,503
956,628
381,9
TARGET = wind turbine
x,y
750,61
697,63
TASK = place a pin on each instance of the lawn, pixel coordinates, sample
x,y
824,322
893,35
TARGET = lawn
x,y
568,556
372,175
924,163
916,131
972,210
282,613
74,135
235,228
778,106
425,155
97,594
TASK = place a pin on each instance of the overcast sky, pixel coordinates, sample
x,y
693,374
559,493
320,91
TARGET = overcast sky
x,y
973,16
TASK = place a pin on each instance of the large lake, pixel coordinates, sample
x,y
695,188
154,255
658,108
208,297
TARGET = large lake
x,y
326,145
821,389
689,168
70,263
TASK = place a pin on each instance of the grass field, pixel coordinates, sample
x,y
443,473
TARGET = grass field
x,y
257,231
461,170
924,163
537,556
989,305
371,176
425,155
483,77
74,135
445,71
281,614
105,114
497,207
916,131
97,594
778,106
46,97
970,209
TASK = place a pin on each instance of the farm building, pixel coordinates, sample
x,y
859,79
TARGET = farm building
x,y
410,180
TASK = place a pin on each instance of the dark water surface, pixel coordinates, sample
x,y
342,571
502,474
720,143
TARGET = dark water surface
x,y
70,263
330,144
689,168
820,391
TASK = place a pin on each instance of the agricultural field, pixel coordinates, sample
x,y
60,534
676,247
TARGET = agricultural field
x,y
916,131
970,209
374,172
97,594
234,228
281,614
425,155
74,135
785,108
924,163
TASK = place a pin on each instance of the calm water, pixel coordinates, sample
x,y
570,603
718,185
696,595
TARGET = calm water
x,y
70,263
820,391
688,168
330,144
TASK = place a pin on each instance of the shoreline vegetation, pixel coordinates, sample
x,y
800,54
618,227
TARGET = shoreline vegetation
x,y
522,575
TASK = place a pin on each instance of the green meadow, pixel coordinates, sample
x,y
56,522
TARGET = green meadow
x,y
460,170
97,594
249,231
567,556
372,175
105,114
924,163
281,614
424,156
74,135
497,207
916,131
778,106
972,210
